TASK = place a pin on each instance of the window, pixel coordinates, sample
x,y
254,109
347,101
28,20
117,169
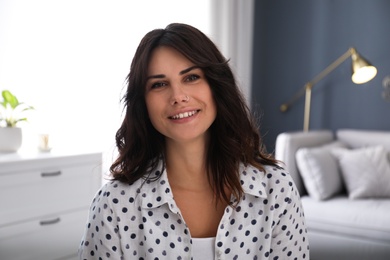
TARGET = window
x,y
69,59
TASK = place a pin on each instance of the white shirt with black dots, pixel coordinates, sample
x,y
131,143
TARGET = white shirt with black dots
x,y
142,221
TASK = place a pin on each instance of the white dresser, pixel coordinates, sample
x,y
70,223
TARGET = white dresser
x,y
44,202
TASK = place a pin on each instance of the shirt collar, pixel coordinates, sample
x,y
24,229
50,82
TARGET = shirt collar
x,y
252,181
159,192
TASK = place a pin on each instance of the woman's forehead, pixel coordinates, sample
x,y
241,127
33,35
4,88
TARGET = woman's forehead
x,y
166,59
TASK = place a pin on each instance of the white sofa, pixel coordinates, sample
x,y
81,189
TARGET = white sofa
x,y
347,210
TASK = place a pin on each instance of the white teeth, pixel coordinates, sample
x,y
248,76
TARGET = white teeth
x,y
184,115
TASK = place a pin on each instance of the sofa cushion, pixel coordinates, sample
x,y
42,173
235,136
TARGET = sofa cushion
x,y
366,171
366,219
320,171
287,145
363,138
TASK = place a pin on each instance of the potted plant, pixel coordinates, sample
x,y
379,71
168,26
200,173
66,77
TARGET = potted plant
x,y
11,113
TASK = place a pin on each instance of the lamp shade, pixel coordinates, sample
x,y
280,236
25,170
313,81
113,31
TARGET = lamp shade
x,y
362,70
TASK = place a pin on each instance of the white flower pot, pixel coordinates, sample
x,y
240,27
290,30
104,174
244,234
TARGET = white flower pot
x,y
10,139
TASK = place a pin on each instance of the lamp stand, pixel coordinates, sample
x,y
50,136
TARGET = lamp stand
x,y
357,63
306,118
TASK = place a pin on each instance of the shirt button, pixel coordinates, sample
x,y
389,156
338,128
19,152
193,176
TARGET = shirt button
x,y
219,254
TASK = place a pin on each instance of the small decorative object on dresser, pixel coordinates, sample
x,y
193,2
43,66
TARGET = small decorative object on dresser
x,y
44,201
11,113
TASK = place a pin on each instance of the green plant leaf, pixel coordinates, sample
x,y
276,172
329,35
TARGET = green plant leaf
x,y
27,108
10,99
13,110
21,119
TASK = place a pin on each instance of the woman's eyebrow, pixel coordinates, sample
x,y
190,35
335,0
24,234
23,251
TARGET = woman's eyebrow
x,y
188,69
158,76
161,76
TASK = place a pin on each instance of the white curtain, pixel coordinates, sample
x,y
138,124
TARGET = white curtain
x,y
232,30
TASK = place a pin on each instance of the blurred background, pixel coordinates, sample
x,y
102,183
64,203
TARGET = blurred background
x,y
69,59
293,41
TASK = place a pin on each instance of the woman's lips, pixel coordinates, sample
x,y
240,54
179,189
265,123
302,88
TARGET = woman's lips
x,y
184,115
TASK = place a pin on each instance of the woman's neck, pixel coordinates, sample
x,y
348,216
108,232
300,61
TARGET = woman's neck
x,y
186,164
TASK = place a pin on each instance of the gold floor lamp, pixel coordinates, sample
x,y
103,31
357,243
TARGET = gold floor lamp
x,y
362,72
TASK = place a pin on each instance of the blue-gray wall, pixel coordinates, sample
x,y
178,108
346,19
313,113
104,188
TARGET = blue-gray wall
x,y
295,40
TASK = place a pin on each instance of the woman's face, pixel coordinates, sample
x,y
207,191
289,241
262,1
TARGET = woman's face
x,y
178,97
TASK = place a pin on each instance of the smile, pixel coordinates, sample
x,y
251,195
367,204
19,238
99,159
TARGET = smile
x,y
184,115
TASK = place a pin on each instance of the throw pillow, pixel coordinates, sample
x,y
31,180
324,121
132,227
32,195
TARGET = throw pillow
x,y
319,170
366,171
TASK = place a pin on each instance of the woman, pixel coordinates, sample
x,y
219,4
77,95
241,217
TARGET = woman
x,y
192,179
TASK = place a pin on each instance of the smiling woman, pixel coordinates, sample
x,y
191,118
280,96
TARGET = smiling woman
x,y
192,180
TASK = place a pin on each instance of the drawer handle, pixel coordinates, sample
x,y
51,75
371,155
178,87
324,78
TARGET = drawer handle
x,y
50,174
49,222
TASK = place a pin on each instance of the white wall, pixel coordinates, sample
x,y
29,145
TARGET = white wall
x,y
69,59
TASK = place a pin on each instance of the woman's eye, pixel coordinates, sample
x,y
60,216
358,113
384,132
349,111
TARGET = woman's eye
x,y
192,77
157,85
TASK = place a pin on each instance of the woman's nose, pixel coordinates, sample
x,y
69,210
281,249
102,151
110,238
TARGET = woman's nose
x,y
178,95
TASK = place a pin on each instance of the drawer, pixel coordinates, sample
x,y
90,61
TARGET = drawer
x,y
30,194
54,237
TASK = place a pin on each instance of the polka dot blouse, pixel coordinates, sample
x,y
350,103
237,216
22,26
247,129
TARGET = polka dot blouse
x,y
142,221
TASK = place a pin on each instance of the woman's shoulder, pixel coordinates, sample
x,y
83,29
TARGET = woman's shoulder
x,y
120,186
271,183
267,171
115,188
270,175
277,172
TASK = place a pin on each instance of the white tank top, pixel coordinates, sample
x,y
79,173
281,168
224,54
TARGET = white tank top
x,y
203,248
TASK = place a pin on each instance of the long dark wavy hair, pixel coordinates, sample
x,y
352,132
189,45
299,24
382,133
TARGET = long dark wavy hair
x,y
234,134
